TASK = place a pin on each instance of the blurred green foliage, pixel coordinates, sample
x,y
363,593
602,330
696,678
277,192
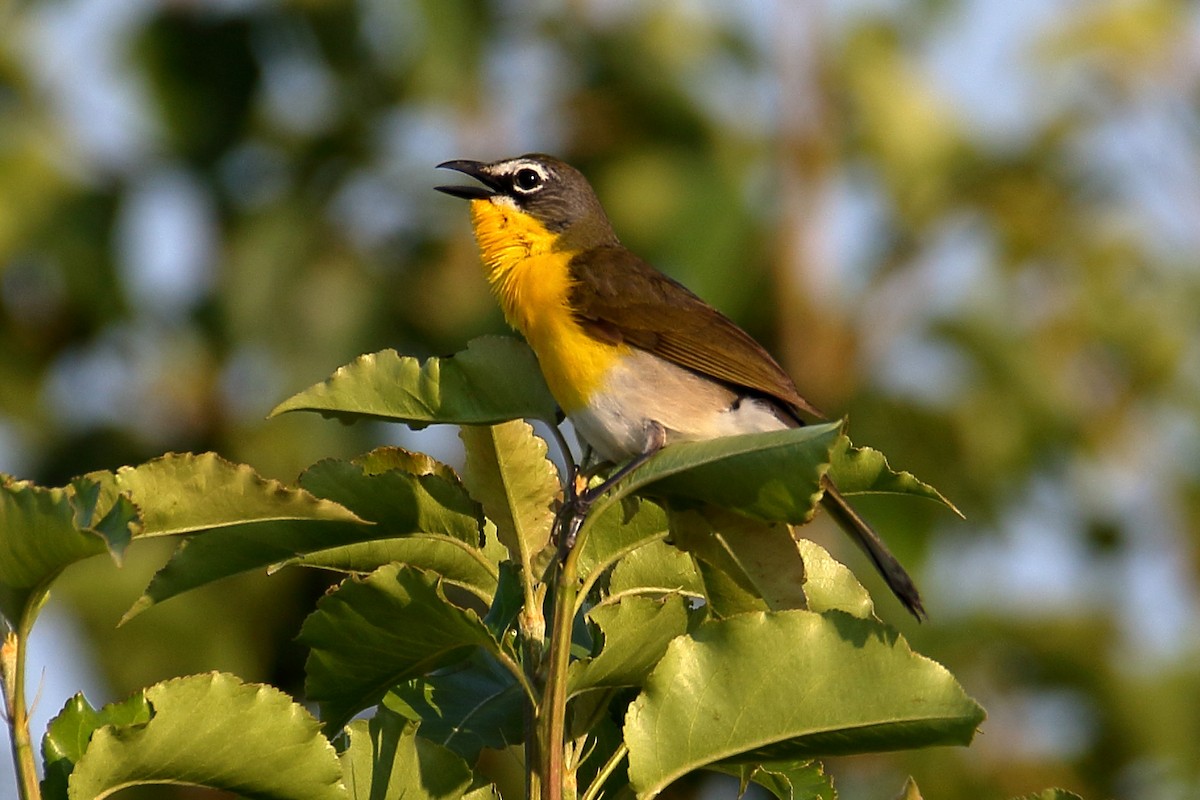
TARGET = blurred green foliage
x,y
970,225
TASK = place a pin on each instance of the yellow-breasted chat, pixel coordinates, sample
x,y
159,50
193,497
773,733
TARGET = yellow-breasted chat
x,y
634,359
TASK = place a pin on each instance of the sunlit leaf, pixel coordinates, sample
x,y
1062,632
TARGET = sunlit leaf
x,y
788,685
45,530
861,470
786,780
213,730
184,493
508,473
493,380
68,734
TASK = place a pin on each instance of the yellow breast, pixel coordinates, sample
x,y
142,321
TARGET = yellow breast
x,y
532,282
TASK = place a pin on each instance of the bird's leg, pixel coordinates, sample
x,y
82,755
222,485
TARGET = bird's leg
x,y
581,499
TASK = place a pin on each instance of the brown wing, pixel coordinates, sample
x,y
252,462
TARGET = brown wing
x,y
620,298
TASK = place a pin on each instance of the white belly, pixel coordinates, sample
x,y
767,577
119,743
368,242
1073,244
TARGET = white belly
x,y
644,389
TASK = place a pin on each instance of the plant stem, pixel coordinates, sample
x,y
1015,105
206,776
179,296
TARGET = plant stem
x,y
609,767
12,671
552,720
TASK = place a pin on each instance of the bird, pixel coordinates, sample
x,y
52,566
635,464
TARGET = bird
x,y
635,360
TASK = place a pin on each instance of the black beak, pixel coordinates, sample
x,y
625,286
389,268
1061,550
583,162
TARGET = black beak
x,y
476,170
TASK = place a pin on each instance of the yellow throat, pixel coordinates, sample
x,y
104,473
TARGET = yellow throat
x,y
531,278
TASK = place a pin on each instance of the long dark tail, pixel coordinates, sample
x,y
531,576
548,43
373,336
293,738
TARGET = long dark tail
x,y
897,578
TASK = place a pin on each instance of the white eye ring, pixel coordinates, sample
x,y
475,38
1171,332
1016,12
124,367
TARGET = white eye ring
x,y
528,178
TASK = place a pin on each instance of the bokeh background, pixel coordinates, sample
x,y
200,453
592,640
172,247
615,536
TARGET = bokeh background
x,y
972,225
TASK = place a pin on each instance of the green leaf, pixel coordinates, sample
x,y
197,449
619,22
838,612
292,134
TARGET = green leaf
x,y
658,567
494,380
46,530
213,730
465,708
861,470
400,493
508,473
773,476
1052,794
620,529
386,759
786,780
373,633
830,585
186,493
636,632
760,557
784,686
68,735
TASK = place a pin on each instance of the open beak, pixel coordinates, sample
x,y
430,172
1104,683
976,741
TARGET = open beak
x,y
476,170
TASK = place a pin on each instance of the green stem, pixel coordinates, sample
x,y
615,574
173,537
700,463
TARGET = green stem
x,y
609,767
12,670
553,718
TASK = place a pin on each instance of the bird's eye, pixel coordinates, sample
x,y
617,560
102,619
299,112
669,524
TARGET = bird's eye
x,y
526,180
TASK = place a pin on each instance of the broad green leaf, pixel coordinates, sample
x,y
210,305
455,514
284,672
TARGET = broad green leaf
x,y
792,780
397,492
830,585
773,476
45,530
68,735
861,470
508,473
386,759
656,567
494,380
619,529
760,557
636,632
213,730
784,686
459,564
465,708
186,493
375,632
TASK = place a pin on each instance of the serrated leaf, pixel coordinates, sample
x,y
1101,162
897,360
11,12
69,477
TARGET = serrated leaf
x,y
773,476
465,708
373,633
508,473
45,530
396,492
791,780
386,759
493,380
399,491
760,557
636,632
213,730
785,686
1052,794
830,585
68,735
861,470
469,568
185,493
